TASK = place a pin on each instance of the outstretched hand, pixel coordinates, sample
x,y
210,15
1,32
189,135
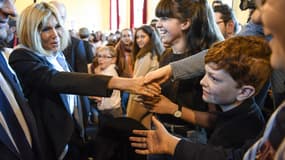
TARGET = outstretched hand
x,y
135,86
159,76
159,104
157,141
139,87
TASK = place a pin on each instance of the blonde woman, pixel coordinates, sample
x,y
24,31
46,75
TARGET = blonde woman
x,y
50,87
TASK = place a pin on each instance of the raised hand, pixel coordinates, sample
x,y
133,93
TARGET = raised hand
x,y
157,141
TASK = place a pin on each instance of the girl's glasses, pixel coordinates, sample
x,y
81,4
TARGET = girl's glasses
x,y
104,57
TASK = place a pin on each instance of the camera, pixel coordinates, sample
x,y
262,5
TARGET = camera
x,y
247,4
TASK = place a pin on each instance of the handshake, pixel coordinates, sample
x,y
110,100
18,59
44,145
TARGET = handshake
x,y
148,85
150,92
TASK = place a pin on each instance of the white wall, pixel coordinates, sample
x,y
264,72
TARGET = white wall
x,y
93,14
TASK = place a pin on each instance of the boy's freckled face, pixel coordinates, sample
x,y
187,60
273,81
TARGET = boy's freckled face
x,y
218,86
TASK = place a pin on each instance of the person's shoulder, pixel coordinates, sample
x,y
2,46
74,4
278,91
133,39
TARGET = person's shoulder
x,y
110,70
75,40
20,54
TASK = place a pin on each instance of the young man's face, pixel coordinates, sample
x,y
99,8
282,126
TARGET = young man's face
x,y
219,87
221,24
227,28
272,16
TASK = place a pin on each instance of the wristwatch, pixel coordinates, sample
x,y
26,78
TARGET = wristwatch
x,y
178,113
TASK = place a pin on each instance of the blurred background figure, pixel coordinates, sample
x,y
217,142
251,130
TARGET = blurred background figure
x,y
147,49
106,59
216,3
84,34
125,61
226,20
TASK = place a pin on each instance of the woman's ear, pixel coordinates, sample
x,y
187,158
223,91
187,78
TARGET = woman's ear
x,y
186,24
245,92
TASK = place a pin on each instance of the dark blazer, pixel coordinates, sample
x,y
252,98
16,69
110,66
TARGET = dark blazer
x,y
45,88
7,150
76,55
89,51
235,131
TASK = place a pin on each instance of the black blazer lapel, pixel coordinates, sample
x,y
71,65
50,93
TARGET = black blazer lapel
x,y
4,138
65,102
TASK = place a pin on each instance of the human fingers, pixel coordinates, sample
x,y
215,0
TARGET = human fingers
x,y
157,123
137,139
159,76
142,151
140,132
151,77
142,145
153,88
147,100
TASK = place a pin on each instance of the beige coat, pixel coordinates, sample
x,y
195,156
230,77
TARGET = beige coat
x,y
137,110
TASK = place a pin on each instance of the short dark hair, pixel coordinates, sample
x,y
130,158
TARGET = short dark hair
x,y
227,14
216,2
153,22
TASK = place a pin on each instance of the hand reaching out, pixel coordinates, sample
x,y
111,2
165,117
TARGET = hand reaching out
x,y
135,86
161,104
150,89
159,76
157,141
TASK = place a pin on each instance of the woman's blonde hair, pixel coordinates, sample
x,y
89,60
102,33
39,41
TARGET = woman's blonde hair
x,y
30,23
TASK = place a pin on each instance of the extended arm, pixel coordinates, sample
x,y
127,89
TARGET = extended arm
x,y
36,72
159,141
165,106
186,68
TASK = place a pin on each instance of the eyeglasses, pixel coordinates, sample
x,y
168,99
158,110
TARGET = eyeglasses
x,y
218,22
104,57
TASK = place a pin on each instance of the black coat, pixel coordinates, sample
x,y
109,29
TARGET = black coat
x,y
45,88
76,55
236,130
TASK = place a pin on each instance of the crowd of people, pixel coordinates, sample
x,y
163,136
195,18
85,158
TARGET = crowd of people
x,y
193,84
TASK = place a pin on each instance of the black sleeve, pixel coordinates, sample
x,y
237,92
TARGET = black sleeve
x,y
187,150
36,72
